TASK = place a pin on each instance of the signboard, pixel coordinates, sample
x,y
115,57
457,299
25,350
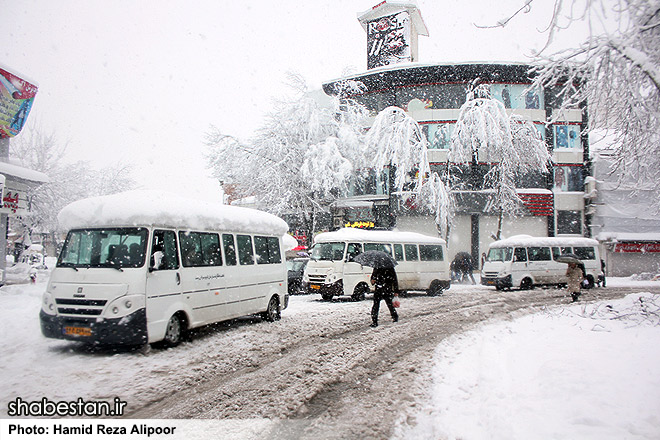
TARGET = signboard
x,y
633,247
15,198
388,40
16,97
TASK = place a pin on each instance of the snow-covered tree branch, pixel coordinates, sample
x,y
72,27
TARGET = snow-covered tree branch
x,y
616,73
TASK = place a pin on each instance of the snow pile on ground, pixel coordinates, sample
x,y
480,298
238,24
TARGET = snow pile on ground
x,y
150,207
585,371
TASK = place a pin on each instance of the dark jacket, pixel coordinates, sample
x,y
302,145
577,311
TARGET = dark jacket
x,y
385,281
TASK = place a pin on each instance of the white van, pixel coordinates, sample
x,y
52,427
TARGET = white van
x,y
421,262
524,261
140,268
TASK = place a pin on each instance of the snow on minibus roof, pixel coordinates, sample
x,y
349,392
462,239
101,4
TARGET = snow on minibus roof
x,y
528,240
150,207
354,234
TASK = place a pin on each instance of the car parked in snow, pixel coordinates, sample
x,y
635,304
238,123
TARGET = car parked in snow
x,y
295,269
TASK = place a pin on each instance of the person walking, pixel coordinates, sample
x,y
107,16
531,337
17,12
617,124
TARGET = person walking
x,y
575,277
386,287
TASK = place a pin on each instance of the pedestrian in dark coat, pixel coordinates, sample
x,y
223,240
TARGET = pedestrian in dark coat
x,y
386,288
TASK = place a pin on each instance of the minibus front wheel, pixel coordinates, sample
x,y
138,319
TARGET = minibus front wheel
x,y
526,284
360,292
173,332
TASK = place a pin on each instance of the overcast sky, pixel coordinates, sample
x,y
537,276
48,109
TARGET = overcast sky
x,y
142,81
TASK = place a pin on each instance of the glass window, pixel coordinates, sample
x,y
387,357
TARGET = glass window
x,y
164,255
200,249
539,253
438,135
113,247
398,252
430,252
229,248
568,178
558,251
245,252
520,254
411,252
261,249
328,251
500,254
382,247
353,250
567,136
585,253
517,96
274,253
569,222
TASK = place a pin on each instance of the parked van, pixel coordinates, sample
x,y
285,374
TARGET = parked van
x,y
421,262
141,268
524,261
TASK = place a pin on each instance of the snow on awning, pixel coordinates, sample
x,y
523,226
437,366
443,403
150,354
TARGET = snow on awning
x,y
15,171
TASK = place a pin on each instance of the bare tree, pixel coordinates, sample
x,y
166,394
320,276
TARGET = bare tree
x,y
513,147
41,150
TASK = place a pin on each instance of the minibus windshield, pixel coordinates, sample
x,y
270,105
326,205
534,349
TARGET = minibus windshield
x,y
333,251
113,247
500,254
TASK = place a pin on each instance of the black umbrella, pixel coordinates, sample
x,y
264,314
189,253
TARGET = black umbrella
x,y
463,256
570,258
375,259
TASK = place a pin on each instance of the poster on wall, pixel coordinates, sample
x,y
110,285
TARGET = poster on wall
x,y
567,136
388,40
16,97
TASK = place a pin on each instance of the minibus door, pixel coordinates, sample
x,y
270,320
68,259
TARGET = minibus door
x,y
519,265
163,278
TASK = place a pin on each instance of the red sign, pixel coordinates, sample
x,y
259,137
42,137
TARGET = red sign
x,y
16,97
637,247
538,204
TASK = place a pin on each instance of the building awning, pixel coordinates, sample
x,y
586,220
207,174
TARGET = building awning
x,y
17,172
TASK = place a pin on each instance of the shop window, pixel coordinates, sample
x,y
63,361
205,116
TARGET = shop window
x,y
568,178
567,136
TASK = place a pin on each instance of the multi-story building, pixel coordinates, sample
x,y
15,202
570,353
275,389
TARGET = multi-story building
x,y
433,94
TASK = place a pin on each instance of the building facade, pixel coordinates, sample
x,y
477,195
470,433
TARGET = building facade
x,y
432,94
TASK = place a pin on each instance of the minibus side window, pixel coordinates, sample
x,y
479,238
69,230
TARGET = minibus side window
x,y
539,253
520,254
430,252
274,253
211,255
557,251
191,249
382,247
245,252
261,249
230,249
353,250
398,252
411,252
585,253
165,243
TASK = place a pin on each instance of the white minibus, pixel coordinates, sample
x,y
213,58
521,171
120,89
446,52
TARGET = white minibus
x,y
421,262
524,261
144,267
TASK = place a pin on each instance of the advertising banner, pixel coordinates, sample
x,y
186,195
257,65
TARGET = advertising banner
x,y
16,97
388,40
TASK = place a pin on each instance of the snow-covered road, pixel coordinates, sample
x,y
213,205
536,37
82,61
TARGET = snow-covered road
x,y
321,368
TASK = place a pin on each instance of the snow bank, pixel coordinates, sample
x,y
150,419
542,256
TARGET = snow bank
x,y
587,372
148,207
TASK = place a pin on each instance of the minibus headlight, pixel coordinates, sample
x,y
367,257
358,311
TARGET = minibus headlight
x,y
125,305
47,304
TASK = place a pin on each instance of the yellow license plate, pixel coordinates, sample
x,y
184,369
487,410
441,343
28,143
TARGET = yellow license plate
x,y
78,331
314,286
